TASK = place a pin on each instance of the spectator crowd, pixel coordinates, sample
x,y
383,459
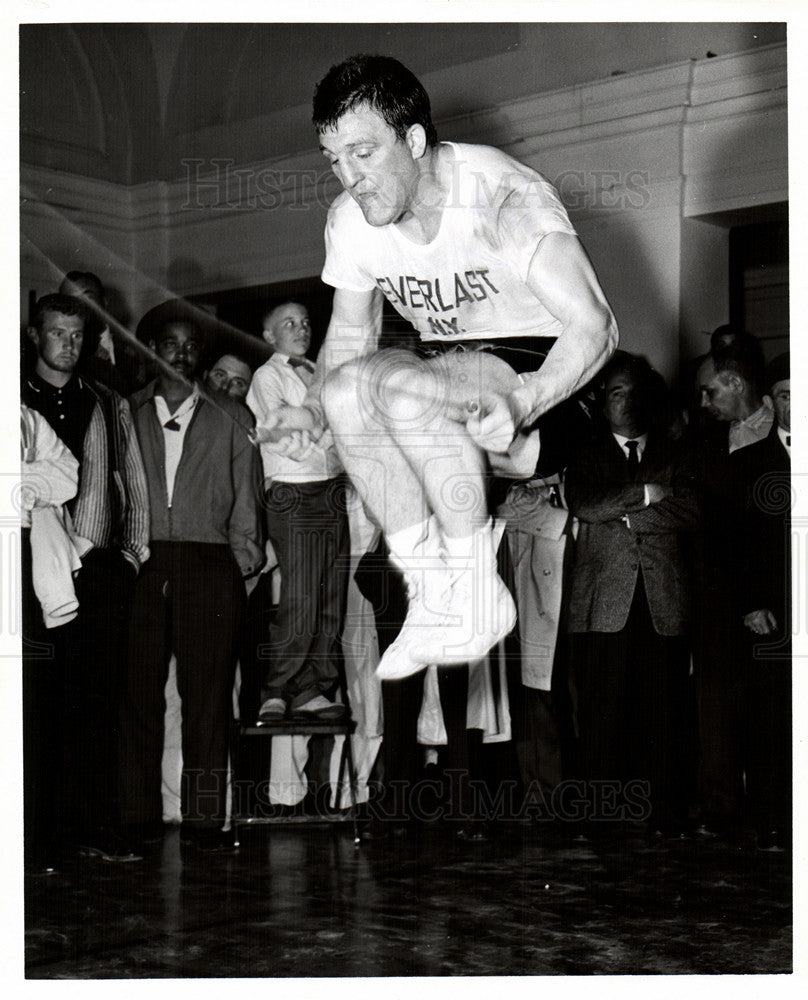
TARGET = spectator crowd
x,y
647,680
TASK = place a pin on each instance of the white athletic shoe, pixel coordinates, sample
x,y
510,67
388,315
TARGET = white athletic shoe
x,y
478,614
459,609
428,592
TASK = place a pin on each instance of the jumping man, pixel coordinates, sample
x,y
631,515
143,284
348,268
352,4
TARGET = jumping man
x,y
476,251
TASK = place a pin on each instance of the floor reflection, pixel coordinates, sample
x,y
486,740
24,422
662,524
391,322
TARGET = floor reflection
x,y
304,902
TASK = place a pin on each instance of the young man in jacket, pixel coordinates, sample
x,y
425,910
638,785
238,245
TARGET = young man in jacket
x,y
203,475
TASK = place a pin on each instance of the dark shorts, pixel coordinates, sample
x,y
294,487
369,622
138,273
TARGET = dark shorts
x,y
523,354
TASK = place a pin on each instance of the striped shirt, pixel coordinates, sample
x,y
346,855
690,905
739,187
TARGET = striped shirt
x,y
111,509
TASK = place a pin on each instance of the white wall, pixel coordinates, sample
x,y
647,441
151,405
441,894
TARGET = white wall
x,y
639,159
704,291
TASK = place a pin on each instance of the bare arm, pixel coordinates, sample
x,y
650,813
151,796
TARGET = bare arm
x,y
562,277
354,330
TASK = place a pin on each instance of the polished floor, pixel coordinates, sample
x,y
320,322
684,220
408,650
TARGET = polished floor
x,y
303,901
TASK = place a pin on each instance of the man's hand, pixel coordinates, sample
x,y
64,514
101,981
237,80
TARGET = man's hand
x,y
268,431
291,442
657,492
297,445
494,422
761,622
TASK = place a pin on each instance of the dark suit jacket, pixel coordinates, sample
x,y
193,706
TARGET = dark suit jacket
x,y
762,576
618,534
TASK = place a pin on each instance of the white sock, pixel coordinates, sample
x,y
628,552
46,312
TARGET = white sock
x,y
402,543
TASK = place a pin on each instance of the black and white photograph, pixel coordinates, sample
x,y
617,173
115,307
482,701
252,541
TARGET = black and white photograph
x,y
403,566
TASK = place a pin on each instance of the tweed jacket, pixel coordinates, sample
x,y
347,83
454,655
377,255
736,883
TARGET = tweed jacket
x,y
619,535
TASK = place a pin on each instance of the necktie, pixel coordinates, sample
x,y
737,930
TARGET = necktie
x,y
633,458
303,368
788,440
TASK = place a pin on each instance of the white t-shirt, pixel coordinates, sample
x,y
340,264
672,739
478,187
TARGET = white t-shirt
x,y
469,283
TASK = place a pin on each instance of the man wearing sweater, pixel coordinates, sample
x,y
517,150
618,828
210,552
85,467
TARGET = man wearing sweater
x,y
110,515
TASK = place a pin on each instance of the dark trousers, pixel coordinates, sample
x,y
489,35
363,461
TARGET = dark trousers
x,y
71,700
743,685
766,733
537,718
45,723
404,792
632,698
187,601
307,524
407,792
718,660
260,610
95,654
744,710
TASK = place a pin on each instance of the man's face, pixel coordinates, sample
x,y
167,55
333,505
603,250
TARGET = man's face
x,y
289,330
718,393
378,170
230,375
781,397
620,405
59,341
180,346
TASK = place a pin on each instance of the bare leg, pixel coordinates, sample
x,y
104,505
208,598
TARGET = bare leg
x,y
427,423
379,471
399,425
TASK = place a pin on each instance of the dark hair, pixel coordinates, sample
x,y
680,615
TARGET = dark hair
x,y
744,358
161,328
85,277
778,370
153,323
623,363
379,81
231,354
651,398
67,305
